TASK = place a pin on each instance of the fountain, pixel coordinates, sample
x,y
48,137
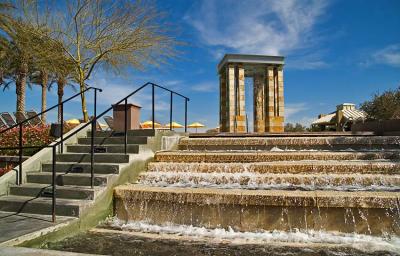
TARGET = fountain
x,y
322,189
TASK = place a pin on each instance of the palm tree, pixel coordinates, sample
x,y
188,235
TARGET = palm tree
x,y
22,46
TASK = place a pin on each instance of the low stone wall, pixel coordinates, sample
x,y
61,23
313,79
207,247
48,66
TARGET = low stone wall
x,y
385,127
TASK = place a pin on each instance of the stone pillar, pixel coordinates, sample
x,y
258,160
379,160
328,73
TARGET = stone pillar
x,y
259,103
223,117
241,106
274,119
281,101
231,95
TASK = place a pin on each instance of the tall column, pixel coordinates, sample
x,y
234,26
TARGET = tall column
x,y
231,94
281,102
223,102
241,107
259,99
274,109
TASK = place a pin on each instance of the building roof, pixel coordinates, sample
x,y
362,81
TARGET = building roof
x,y
325,120
250,59
329,119
354,114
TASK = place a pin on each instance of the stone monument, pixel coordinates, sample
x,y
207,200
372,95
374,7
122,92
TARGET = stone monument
x,y
267,74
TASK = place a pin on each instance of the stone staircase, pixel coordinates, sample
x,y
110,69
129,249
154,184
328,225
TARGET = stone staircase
x,y
326,183
74,193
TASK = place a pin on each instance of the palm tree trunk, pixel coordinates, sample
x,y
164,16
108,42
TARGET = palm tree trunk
x,y
60,92
20,85
44,81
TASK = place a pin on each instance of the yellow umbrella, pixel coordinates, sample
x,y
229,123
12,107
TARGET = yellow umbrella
x,y
73,121
174,125
149,125
196,125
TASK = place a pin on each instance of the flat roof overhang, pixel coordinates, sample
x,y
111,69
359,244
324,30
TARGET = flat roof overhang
x,y
250,59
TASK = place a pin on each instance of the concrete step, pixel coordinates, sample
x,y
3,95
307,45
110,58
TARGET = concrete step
x,y
131,148
98,157
77,179
269,156
252,210
43,205
138,132
304,166
72,167
113,140
45,190
291,143
269,181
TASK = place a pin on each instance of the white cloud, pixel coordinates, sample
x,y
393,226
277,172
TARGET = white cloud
x,y
205,87
292,109
258,27
389,55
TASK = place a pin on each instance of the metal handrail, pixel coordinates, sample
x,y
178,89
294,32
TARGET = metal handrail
x,y
21,147
93,124
51,108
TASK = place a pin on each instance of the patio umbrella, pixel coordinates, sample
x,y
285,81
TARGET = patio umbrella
x,y
73,121
174,125
196,125
149,125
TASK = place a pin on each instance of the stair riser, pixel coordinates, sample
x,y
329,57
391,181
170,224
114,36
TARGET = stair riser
x,y
246,158
113,140
273,168
290,147
66,180
60,193
211,212
98,158
144,132
132,149
77,168
39,208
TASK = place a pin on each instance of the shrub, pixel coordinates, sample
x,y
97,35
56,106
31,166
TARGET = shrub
x,y
383,106
289,127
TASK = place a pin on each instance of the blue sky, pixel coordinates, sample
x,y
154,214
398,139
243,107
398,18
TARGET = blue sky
x,y
336,51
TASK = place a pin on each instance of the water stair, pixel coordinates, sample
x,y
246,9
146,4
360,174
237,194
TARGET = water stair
x,y
336,183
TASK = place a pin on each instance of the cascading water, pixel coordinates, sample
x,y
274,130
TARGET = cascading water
x,y
327,191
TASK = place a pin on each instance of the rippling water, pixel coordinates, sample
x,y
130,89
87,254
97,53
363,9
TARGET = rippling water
x,y
140,238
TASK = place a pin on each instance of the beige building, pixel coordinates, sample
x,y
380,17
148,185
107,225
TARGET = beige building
x,y
339,120
267,74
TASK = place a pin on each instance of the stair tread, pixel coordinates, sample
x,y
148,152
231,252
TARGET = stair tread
x,y
379,162
45,200
202,152
64,187
241,192
69,174
81,163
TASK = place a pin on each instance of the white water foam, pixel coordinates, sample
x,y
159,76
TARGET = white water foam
x,y
364,243
256,181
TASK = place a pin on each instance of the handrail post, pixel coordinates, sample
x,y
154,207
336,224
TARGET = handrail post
x,y
152,104
20,152
53,183
170,112
62,128
94,121
186,114
92,151
126,127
